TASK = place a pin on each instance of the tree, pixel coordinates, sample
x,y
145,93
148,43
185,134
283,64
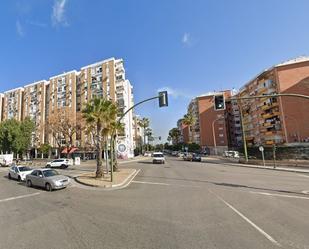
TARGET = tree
x,y
63,128
174,134
45,149
16,136
99,114
189,120
144,123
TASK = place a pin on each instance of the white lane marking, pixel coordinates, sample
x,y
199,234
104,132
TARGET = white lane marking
x,y
271,239
286,196
19,197
152,183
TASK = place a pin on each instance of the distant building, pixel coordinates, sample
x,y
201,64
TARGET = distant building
x,y
67,94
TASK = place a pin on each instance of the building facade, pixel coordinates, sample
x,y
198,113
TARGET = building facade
x,y
282,120
34,99
63,97
12,104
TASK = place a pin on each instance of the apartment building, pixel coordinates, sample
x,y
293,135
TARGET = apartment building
x,y
12,104
34,107
180,127
194,130
233,124
213,130
210,129
1,106
283,120
138,135
63,97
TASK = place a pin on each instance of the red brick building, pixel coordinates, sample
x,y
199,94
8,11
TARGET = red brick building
x,y
283,120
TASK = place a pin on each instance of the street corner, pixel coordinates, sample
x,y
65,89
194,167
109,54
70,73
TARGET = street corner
x,y
122,179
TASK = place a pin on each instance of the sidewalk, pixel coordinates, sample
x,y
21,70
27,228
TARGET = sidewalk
x,y
282,166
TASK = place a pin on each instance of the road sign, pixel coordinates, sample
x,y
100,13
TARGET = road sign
x,y
122,148
261,148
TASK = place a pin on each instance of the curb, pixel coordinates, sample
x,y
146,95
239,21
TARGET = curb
x,y
122,185
262,167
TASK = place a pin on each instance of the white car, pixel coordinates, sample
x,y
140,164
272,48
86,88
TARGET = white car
x,y
158,157
61,163
19,172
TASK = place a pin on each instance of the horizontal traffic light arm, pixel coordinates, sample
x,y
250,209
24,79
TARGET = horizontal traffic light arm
x,y
273,96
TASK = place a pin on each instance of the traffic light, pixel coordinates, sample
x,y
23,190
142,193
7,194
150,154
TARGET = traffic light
x,y
159,137
163,99
219,102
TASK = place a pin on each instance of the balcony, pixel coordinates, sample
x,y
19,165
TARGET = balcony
x,y
269,106
270,115
269,142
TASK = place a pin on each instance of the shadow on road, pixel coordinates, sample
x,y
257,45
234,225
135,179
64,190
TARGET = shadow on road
x,y
143,162
225,184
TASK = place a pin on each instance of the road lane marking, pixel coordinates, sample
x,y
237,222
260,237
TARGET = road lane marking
x,y
260,230
19,197
152,183
278,195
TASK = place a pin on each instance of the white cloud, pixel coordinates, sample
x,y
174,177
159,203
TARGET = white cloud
x,y
186,39
174,92
58,15
19,29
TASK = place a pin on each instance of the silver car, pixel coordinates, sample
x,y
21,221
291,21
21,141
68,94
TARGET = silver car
x,y
47,178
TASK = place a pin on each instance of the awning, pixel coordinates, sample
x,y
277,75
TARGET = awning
x,y
71,150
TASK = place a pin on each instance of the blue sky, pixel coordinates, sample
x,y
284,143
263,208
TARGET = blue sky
x,y
189,47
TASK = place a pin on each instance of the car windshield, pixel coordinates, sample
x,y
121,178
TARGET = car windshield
x,y
24,168
49,173
158,155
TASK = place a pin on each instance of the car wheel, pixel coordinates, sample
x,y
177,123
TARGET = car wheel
x,y
29,183
48,187
63,166
19,179
48,166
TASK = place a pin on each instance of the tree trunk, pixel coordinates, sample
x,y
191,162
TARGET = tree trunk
x,y
115,165
100,171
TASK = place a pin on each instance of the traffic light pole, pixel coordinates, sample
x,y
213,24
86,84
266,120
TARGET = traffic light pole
x,y
113,134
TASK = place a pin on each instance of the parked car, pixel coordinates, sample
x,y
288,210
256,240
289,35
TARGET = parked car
x,y
47,178
59,163
196,157
19,172
158,157
187,157
147,153
231,153
174,153
180,154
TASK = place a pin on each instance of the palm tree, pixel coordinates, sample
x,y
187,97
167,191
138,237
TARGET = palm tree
x,y
115,128
144,123
189,120
99,113
174,134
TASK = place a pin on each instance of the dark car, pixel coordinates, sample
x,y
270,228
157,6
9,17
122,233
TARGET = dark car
x,y
196,157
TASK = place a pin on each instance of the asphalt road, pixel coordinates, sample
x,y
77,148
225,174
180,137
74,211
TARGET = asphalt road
x,y
175,205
